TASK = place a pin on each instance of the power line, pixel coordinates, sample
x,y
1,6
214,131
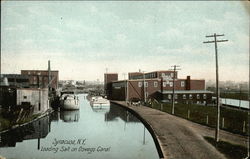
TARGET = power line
x,y
215,41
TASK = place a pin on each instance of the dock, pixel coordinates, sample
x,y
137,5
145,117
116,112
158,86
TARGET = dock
x,y
178,138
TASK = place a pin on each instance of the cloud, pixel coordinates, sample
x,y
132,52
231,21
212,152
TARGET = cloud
x,y
82,40
171,33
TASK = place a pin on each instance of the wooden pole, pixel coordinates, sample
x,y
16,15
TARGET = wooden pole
x,y
217,82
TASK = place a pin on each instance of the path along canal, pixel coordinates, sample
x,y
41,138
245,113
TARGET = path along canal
x,y
91,133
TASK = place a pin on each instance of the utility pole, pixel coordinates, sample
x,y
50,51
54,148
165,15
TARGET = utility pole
x,y
173,93
215,41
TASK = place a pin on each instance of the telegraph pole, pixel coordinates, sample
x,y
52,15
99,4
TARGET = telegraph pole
x,y
215,41
173,94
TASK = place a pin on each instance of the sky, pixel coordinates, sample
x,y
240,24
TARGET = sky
x,y
83,38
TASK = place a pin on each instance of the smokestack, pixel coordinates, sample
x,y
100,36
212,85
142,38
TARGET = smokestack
x,y
188,84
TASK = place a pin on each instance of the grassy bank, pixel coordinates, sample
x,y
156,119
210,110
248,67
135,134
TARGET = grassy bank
x,y
231,120
231,151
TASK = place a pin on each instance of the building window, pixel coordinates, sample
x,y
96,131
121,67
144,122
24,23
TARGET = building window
x,y
24,97
182,84
204,96
171,84
146,84
164,84
155,84
139,84
169,96
184,96
172,75
198,96
190,96
163,74
176,96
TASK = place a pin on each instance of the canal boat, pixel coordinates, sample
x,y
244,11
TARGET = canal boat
x,y
69,101
98,101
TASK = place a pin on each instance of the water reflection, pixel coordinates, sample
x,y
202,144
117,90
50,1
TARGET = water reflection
x,y
111,127
100,109
35,130
70,115
117,112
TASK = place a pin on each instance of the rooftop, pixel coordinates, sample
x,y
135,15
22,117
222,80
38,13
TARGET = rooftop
x,y
185,91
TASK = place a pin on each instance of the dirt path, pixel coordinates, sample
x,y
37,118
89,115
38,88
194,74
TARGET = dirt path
x,y
180,138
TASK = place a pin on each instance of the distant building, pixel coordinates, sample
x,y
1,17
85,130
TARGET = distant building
x,y
159,85
40,78
108,79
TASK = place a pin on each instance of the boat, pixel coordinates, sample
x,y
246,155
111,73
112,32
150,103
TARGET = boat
x,y
69,101
99,101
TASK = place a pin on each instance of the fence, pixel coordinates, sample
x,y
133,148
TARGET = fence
x,y
231,120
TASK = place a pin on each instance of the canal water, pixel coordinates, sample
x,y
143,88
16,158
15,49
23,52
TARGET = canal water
x,y
89,133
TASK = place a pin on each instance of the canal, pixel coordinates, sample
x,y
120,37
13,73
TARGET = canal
x,y
91,133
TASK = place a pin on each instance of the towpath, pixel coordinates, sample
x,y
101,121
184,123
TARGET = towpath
x,y
179,138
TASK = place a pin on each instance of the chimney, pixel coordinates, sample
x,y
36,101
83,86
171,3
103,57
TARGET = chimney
x,y
188,84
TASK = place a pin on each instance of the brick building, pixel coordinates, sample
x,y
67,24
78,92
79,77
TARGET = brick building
x,y
40,78
159,85
108,79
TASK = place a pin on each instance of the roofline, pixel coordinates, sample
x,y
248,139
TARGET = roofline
x,y
148,79
154,71
162,71
137,80
187,91
110,73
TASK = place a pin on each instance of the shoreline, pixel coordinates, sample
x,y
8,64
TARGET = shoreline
x,y
49,111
